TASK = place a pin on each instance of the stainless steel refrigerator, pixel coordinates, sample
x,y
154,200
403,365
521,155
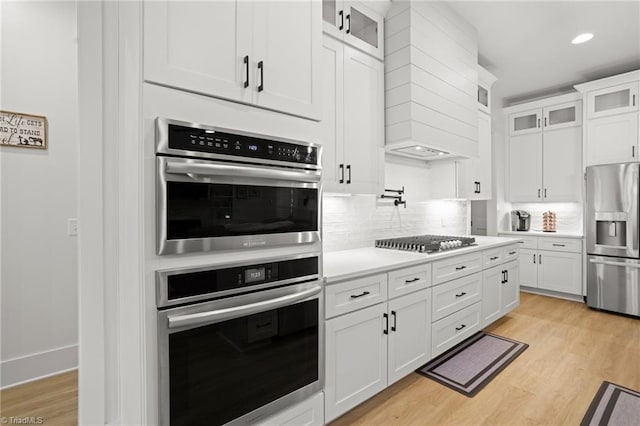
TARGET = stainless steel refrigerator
x,y
613,256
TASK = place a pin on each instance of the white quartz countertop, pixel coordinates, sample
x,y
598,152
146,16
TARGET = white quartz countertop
x,y
348,264
539,233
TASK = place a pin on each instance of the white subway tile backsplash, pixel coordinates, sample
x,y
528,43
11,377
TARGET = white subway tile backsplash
x,y
357,221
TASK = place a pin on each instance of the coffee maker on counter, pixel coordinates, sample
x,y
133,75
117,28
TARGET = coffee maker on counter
x,y
520,220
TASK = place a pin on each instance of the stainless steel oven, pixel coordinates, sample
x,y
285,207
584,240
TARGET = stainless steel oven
x,y
220,189
238,342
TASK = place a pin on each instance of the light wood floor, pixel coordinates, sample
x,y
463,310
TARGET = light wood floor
x,y
55,399
572,349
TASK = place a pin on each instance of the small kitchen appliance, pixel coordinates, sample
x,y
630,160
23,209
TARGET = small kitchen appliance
x,y
520,220
425,243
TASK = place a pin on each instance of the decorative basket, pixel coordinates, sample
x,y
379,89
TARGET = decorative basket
x,y
549,222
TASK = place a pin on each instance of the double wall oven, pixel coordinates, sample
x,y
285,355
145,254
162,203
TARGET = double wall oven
x,y
237,341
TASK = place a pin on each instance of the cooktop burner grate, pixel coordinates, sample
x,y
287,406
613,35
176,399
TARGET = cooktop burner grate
x,y
426,243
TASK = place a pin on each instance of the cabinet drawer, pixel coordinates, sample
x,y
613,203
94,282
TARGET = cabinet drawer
x,y
571,245
510,252
408,280
455,295
355,294
453,329
456,267
492,257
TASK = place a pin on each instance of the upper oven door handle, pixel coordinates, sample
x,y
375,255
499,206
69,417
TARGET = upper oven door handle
x,y
219,315
201,170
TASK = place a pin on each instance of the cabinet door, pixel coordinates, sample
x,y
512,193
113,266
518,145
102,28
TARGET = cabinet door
x,y
525,122
525,167
409,333
528,268
363,122
356,359
474,174
333,18
562,164
199,46
560,272
560,116
612,139
510,288
491,294
613,100
287,43
332,116
364,29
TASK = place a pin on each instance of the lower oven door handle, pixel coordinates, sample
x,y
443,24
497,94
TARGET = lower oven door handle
x,y
194,170
220,315
605,262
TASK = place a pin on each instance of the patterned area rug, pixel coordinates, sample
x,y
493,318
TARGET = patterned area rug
x,y
470,366
613,405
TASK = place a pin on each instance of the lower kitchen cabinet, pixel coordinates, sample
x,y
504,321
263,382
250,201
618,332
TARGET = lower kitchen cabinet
x,y
453,329
500,291
409,334
559,271
528,268
356,361
367,350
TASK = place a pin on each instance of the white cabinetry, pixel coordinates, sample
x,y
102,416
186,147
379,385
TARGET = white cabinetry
x,y
612,127
551,263
352,123
355,24
501,291
261,53
545,151
309,412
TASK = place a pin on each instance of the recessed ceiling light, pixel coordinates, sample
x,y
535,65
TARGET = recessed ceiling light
x,y
418,148
582,38
441,153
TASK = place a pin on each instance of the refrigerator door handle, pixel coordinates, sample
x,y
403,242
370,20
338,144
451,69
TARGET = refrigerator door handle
x,y
607,262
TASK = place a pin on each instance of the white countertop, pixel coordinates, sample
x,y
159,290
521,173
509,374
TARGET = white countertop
x,y
539,233
348,264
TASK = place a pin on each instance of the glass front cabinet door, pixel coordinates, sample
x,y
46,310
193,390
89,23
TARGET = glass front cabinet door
x,y
354,24
525,122
613,100
564,115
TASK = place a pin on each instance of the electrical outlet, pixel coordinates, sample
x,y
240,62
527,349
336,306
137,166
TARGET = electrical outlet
x,y
72,226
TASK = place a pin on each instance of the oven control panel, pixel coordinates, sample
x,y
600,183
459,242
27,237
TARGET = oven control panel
x,y
216,142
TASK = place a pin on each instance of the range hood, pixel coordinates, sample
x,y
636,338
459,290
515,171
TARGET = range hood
x,y
431,79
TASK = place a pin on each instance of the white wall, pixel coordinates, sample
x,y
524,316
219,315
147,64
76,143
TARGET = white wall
x,y
38,287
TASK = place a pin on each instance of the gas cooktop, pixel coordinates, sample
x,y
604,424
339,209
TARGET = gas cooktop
x,y
426,243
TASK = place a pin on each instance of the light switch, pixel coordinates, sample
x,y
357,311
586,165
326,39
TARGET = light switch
x,y
72,226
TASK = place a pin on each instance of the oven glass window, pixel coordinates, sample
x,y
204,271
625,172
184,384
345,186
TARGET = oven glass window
x,y
222,371
201,210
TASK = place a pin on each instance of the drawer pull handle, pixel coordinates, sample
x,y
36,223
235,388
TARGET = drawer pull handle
x,y
461,294
557,245
461,327
494,258
460,268
512,253
411,281
355,296
520,242
393,327
386,321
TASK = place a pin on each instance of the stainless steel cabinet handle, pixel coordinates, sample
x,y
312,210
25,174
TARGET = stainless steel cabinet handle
x,y
220,315
625,265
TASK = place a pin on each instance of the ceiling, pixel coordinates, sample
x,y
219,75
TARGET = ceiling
x,y
527,44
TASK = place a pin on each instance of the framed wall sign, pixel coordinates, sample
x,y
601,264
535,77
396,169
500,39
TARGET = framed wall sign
x,y
23,130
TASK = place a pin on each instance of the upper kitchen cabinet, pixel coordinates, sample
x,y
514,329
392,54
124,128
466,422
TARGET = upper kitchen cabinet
x,y
545,150
611,134
352,120
355,24
431,82
475,173
262,53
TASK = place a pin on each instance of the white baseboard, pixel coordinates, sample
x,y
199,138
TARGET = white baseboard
x,y
556,294
36,366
